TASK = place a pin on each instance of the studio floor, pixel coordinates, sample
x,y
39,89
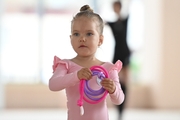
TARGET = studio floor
x,y
60,114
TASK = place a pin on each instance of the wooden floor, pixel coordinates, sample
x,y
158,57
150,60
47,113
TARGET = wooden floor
x,y
60,114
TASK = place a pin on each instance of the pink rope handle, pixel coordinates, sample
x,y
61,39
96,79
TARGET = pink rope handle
x,y
81,90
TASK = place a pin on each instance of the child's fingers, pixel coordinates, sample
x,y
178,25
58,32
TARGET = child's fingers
x,y
85,73
108,85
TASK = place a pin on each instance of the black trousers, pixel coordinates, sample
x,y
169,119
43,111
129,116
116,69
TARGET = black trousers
x,y
122,106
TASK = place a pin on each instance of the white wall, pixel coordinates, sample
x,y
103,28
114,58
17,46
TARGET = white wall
x,y
170,95
1,85
161,66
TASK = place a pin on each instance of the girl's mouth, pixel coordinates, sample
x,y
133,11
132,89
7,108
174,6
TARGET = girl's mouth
x,y
82,46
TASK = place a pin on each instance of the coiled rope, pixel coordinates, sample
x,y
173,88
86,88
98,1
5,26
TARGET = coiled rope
x,y
92,96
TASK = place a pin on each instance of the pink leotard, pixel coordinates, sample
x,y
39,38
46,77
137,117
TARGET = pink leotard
x,y
65,77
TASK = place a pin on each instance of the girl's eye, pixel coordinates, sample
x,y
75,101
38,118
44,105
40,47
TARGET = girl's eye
x,y
76,34
89,34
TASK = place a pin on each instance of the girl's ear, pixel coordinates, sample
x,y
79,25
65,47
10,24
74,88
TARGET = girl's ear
x,y
101,39
70,39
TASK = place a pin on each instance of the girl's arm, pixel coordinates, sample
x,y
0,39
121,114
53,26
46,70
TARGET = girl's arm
x,y
118,96
61,80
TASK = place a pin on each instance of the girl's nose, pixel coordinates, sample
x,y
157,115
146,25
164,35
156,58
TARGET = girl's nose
x,y
82,39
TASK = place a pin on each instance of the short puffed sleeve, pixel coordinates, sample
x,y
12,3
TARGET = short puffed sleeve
x,y
117,66
58,61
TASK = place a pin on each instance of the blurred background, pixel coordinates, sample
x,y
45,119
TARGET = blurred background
x,y
32,32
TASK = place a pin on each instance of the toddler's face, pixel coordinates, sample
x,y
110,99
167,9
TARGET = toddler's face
x,y
85,37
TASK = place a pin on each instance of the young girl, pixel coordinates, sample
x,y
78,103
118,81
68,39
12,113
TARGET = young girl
x,y
86,36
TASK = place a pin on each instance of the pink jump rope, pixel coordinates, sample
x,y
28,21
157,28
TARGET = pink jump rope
x,y
92,96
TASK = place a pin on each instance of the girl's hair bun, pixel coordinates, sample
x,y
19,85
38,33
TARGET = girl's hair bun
x,y
86,8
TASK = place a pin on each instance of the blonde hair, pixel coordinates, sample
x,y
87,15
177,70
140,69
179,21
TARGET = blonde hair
x,y
86,11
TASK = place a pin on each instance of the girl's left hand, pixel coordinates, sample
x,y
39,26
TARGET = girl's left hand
x,y
109,85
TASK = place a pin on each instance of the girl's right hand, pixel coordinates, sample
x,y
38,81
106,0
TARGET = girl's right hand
x,y
85,74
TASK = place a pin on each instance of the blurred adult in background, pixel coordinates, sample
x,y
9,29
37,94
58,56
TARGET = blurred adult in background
x,y
121,50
